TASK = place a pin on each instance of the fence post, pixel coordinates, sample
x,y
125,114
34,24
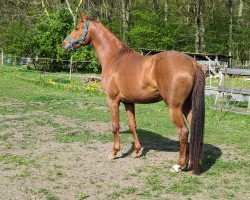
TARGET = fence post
x,y
2,58
70,67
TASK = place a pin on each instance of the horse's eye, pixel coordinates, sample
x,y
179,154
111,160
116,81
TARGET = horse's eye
x,y
76,28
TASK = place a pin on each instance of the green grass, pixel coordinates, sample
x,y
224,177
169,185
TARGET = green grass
x,y
186,186
225,169
47,194
14,159
123,192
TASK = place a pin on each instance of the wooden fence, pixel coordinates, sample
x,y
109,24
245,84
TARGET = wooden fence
x,y
45,64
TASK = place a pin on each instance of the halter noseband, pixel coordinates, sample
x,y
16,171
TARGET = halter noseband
x,y
81,39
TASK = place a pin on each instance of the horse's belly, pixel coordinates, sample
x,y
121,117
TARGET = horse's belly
x,y
141,97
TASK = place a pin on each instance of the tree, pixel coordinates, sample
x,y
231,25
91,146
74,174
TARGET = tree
x,y
126,4
199,35
230,39
39,26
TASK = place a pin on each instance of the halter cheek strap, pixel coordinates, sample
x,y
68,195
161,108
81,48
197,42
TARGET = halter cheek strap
x,y
81,39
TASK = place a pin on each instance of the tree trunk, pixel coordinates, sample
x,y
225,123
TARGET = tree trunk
x,y
188,13
156,5
199,36
230,39
240,9
166,10
44,8
71,12
2,58
105,6
88,6
111,11
126,18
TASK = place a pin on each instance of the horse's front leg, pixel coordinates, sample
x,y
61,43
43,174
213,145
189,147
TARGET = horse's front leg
x,y
130,109
114,109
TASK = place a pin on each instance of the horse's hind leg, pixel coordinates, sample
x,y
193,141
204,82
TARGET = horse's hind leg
x,y
130,109
177,117
187,111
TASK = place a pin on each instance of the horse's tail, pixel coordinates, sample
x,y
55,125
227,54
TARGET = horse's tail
x,y
197,123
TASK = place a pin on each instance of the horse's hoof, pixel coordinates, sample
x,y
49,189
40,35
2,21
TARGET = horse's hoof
x,y
176,168
135,155
116,155
111,156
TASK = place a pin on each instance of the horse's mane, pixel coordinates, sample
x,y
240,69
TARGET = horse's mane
x,y
125,50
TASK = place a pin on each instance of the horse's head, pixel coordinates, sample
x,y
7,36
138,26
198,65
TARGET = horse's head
x,y
79,36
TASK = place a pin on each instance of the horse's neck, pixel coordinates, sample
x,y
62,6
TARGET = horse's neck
x,y
106,45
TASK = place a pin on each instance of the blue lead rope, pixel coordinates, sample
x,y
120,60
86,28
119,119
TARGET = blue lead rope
x,y
81,39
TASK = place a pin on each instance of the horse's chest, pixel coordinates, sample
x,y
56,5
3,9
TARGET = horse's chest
x,y
109,86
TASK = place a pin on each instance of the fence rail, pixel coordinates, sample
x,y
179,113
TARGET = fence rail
x,y
48,64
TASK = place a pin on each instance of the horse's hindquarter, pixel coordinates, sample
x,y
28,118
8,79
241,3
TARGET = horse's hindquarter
x,y
174,74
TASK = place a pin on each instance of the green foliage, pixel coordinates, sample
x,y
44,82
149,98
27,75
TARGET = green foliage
x,y
88,54
49,34
16,38
27,31
150,30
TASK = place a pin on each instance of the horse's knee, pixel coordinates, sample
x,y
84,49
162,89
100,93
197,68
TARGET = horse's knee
x,y
183,134
115,128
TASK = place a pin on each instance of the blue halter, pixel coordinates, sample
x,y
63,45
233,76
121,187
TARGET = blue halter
x,y
81,39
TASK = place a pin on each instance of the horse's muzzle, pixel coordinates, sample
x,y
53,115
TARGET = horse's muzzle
x,y
66,46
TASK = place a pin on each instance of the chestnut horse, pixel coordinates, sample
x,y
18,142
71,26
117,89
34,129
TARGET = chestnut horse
x,y
128,77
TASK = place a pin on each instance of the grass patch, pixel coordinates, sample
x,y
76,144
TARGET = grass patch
x,y
230,167
47,194
153,180
186,186
83,196
55,173
5,136
15,160
123,192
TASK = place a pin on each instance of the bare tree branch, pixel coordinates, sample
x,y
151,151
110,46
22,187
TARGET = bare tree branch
x,y
71,12
44,8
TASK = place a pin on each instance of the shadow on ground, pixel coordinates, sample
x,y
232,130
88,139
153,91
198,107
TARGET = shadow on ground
x,y
153,141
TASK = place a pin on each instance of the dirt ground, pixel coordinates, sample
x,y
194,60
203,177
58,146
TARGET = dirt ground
x,y
37,166
49,169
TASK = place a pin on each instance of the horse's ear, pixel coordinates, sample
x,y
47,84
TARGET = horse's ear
x,y
82,17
